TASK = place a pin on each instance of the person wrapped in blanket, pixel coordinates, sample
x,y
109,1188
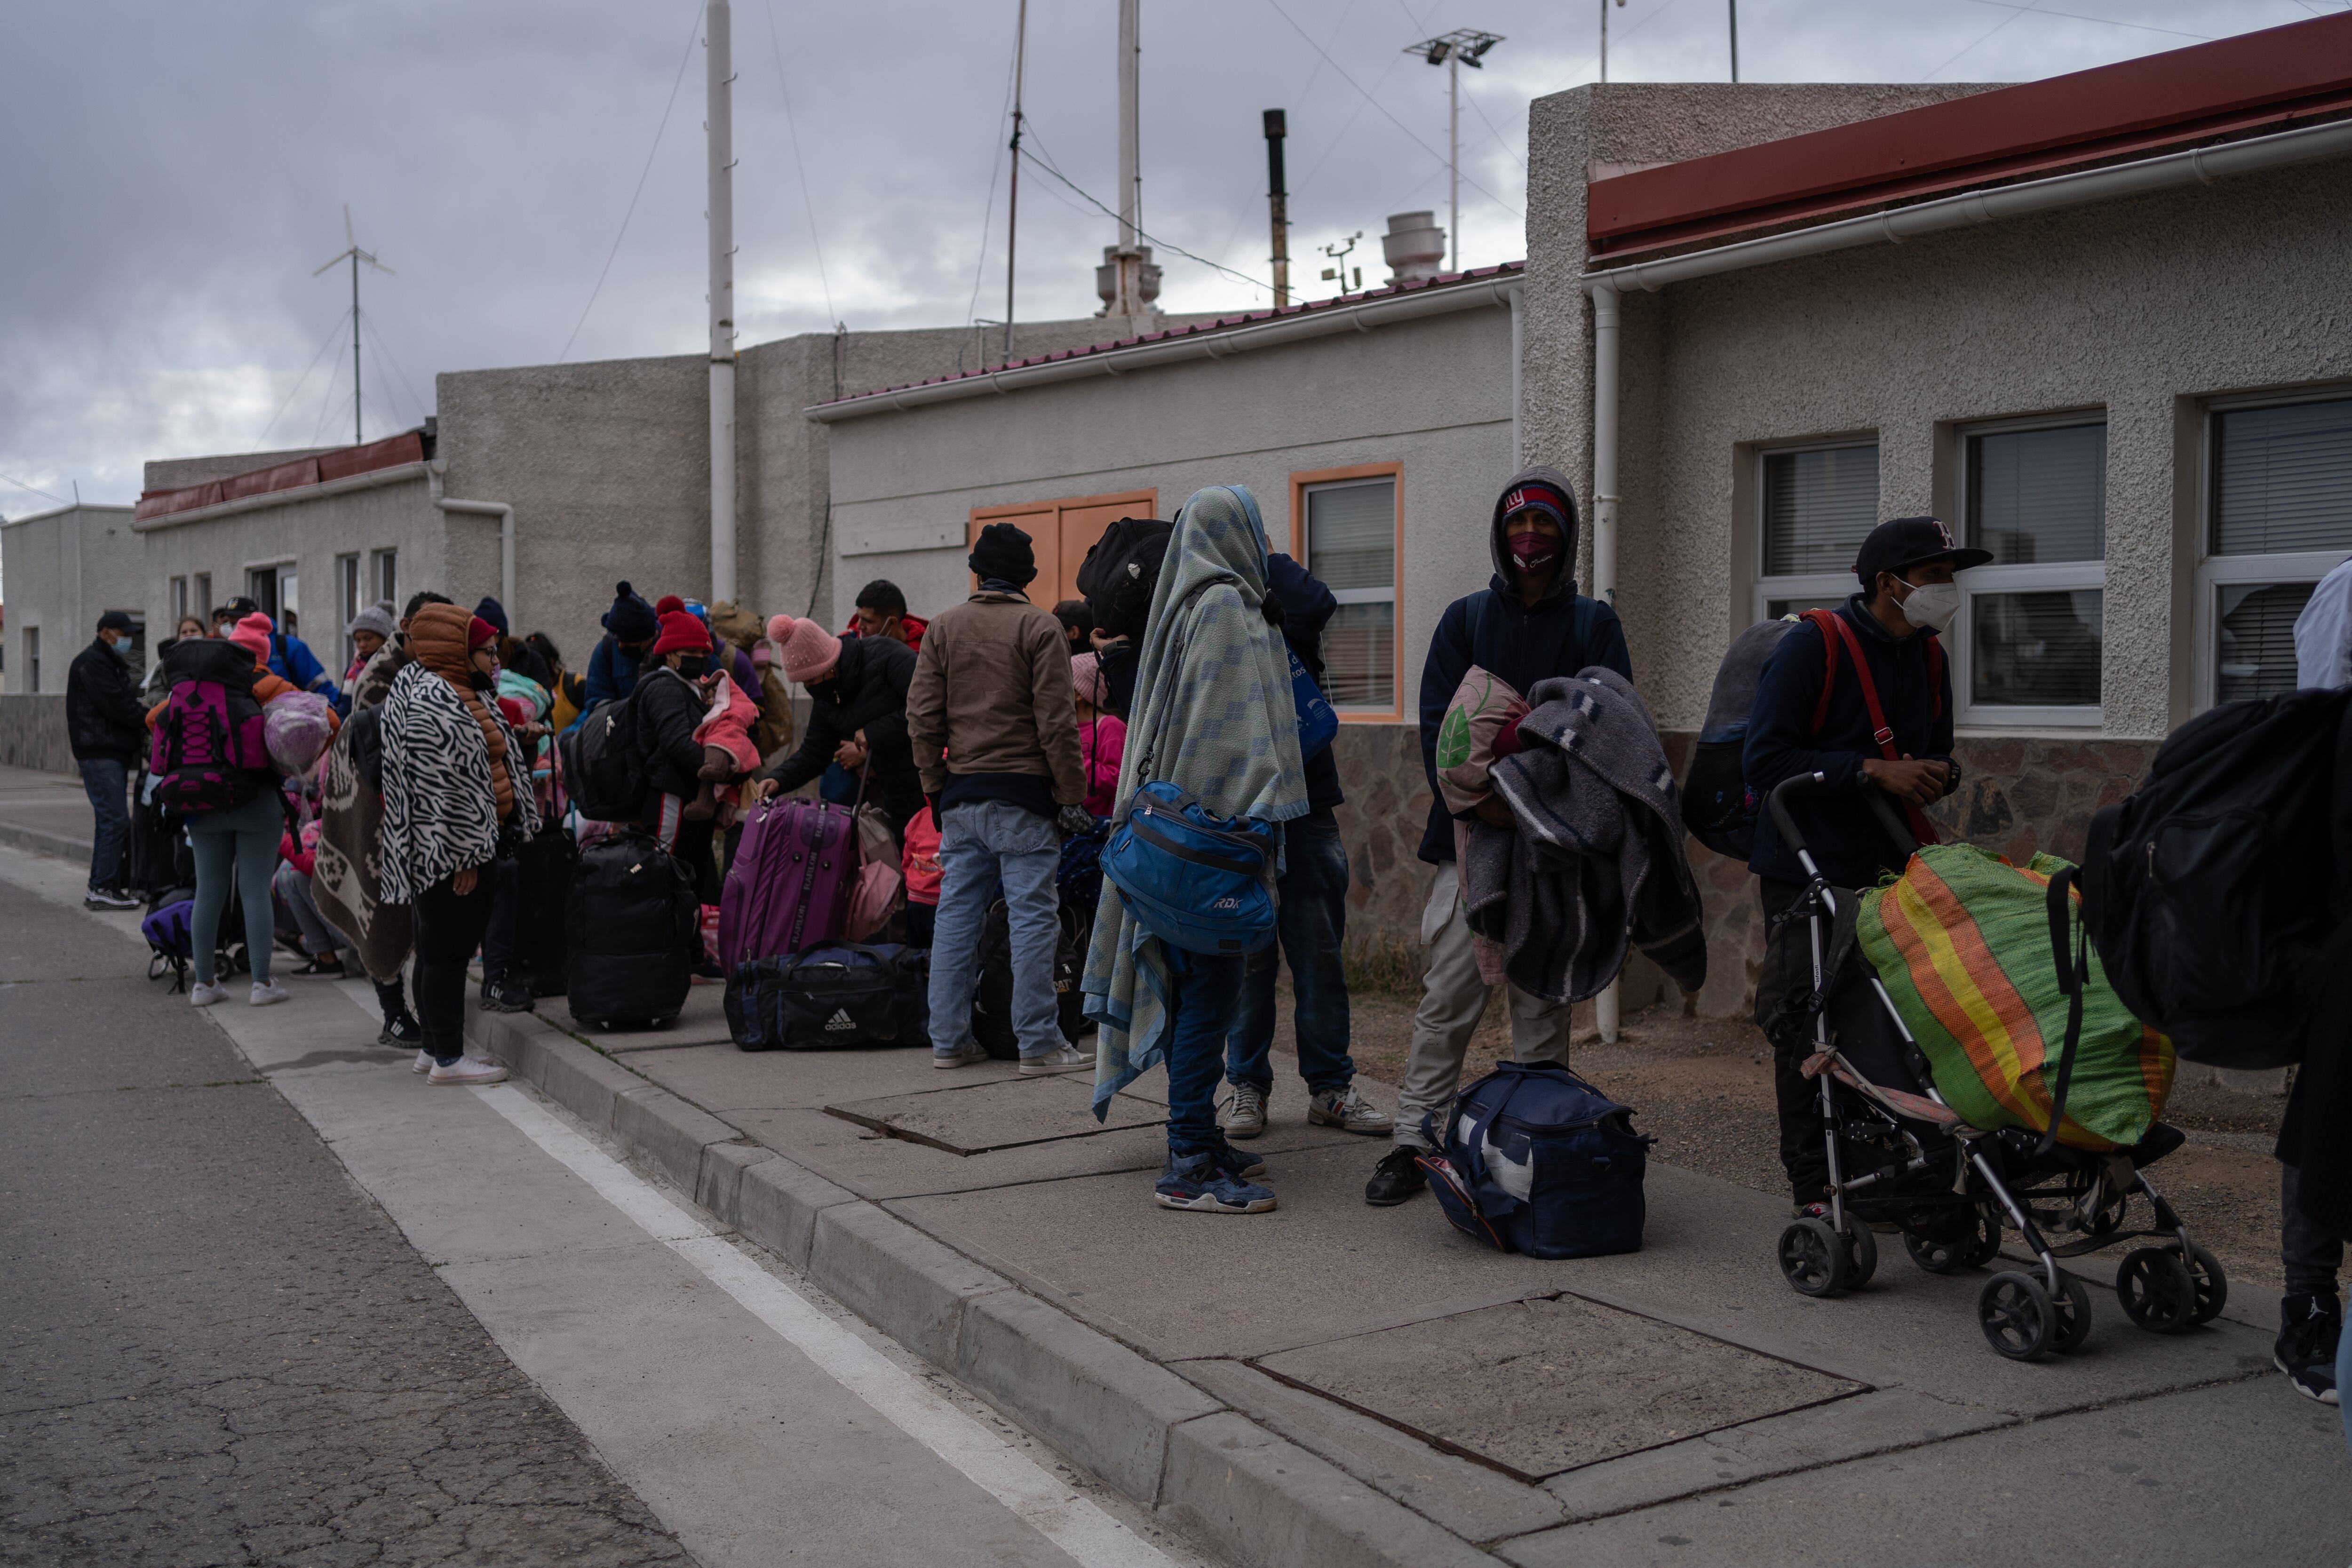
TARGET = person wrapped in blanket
x,y
1907,597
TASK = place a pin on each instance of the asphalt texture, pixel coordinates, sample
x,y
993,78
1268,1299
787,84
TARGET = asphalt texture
x,y
215,1347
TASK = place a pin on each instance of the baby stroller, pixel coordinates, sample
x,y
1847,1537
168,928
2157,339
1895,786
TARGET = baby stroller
x,y
1897,1153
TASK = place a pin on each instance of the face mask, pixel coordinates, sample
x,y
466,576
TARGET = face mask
x,y
1533,552
692,666
1932,606
480,681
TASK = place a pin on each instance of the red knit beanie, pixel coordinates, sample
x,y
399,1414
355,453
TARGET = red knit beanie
x,y
681,633
668,604
480,631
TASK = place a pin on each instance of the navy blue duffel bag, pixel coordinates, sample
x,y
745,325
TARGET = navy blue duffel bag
x,y
1537,1161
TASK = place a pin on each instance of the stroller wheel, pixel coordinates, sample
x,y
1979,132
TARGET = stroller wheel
x,y
2213,1284
2158,1291
2016,1315
1986,1247
1943,1240
1860,1253
1812,1257
2074,1304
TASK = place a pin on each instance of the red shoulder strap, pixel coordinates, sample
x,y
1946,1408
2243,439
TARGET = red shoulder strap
x,y
1880,731
1823,620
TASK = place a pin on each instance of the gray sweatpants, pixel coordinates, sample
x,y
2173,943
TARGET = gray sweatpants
x,y
1453,996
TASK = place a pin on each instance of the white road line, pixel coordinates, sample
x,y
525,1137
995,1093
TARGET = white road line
x,y
1082,1530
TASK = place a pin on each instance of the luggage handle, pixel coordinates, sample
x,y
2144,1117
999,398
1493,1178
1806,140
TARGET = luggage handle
x,y
2074,979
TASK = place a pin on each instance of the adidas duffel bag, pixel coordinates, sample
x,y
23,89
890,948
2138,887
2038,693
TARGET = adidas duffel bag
x,y
834,993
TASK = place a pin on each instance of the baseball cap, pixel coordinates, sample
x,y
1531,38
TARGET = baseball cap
x,y
1902,543
114,621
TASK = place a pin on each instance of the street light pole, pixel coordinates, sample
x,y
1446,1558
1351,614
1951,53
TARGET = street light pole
x,y
1461,47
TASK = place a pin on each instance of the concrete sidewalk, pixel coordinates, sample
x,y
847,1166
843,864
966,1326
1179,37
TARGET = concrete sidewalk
x,y
47,813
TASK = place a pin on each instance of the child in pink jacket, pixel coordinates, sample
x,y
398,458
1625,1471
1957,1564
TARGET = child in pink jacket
x,y
1102,737
728,753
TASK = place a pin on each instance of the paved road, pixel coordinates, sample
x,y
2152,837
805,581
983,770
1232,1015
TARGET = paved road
x,y
266,1298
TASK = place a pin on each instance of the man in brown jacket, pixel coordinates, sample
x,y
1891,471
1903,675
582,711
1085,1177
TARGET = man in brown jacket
x,y
994,727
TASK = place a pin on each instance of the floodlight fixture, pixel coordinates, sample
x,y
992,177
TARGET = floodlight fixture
x,y
1461,47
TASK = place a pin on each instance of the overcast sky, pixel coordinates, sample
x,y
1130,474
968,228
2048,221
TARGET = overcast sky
x,y
174,170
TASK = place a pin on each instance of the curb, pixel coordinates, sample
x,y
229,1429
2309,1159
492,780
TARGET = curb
x,y
1257,1498
33,841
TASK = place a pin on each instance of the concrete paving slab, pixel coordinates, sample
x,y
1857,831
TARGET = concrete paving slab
x,y
2242,1473
1472,1500
885,1169
1536,1387
968,1119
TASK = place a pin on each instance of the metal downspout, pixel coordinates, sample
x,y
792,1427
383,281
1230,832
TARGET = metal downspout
x,y
505,514
1605,307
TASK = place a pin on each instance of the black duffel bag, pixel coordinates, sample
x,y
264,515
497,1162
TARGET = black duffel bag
x,y
834,993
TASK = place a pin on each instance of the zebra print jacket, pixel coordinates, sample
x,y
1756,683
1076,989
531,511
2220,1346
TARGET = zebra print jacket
x,y
440,815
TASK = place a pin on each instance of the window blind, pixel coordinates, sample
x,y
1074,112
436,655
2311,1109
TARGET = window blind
x,y
2039,495
2038,651
1818,507
2282,479
2255,654
1360,657
1351,534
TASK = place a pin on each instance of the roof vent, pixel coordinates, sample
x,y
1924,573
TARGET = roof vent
x,y
1414,247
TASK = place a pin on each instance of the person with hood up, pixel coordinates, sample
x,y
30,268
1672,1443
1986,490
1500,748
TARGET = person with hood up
x,y
453,791
1530,624
1310,924
1213,715
858,716
630,627
671,702
107,726
995,733
514,656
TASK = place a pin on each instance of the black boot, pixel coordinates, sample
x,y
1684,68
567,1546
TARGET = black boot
x,y
505,994
2309,1327
1396,1178
399,1025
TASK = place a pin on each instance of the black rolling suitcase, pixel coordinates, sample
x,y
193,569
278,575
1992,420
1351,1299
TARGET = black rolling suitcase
x,y
992,999
544,868
634,931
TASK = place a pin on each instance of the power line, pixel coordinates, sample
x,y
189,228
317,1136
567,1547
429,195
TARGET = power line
x,y
1107,212
38,489
2076,16
332,333
988,212
640,191
327,409
792,130
376,337
1987,33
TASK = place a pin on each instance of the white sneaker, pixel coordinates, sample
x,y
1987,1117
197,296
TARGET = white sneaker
x,y
467,1071
423,1062
1348,1109
203,993
265,991
972,1051
1246,1117
1069,1059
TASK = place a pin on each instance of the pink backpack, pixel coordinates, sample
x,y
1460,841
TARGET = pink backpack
x,y
209,751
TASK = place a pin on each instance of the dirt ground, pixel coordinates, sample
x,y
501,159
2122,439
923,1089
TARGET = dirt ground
x,y
1703,1087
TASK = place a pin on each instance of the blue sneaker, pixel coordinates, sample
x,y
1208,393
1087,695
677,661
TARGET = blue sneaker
x,y
1200,1184
1233,1162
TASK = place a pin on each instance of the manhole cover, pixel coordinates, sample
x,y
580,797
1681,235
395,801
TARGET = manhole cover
x,y
1533,1388
1007,1113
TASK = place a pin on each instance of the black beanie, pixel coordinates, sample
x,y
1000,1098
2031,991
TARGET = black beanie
x,y
631,619
1001,555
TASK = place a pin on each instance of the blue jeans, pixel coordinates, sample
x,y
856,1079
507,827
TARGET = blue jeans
x,y
1308,928
987,850
107,785
1203,989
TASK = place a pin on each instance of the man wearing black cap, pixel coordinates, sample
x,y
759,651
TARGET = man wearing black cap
x,y
107,727
1887,633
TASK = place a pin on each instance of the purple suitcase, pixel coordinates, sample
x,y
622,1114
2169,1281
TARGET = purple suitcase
x,y
788,886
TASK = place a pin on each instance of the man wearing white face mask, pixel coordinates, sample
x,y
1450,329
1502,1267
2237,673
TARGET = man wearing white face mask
x,y
1884,722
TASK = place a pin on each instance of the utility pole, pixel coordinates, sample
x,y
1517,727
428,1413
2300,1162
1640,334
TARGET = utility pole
x,y
1278,204
718,90
1127,262
1461,47
1604,38
1013,199
1735,39
355,254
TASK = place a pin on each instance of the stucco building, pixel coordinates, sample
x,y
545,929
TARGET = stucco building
x,y
64,568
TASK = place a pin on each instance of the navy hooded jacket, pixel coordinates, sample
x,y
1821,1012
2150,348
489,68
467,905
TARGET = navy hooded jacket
x,y
1846,836
1561,634
1308,607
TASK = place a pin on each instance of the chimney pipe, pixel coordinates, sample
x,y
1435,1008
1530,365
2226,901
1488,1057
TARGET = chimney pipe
x,y
1279,200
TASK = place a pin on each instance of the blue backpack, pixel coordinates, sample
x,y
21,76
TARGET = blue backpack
x,y
1539,1162
1318,724
1200,882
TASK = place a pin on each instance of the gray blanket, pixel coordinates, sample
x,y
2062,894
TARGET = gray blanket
x,y
1597,856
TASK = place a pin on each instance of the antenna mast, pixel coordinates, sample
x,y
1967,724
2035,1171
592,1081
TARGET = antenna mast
x,y
1013,198
355,254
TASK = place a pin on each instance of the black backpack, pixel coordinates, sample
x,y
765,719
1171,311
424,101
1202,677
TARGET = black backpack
x,y
992,999
600,764
2207,891
1119,572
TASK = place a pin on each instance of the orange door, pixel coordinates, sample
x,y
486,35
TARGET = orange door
x,y
1061,532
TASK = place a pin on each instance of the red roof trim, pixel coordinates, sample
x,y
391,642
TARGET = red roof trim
x,y
1223,323
2212,89
408,447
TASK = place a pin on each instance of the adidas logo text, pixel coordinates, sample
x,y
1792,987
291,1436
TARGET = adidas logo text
x,y
840,1020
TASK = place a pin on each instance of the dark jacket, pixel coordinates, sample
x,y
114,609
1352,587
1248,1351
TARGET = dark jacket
x,y
612,672
1308,607
869,692
669,708
1561,634
104,719
1847,840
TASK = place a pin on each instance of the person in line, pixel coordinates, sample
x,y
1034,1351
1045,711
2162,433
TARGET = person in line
x,y
920,873
1530,624
1310,923
630,629
1213,715
857,689
289,656
881,612
768,688
1102,737
234,849
298,854
994,728
670,704
1906,597
154,691
450,793
514,656
106,727
369,631
1077,618
523,704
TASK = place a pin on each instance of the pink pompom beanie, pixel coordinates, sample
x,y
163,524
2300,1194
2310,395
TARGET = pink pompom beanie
x,y
1086,675
253,633
810,651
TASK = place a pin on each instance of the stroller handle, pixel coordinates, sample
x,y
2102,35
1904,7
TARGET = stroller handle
x,y
1777,803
